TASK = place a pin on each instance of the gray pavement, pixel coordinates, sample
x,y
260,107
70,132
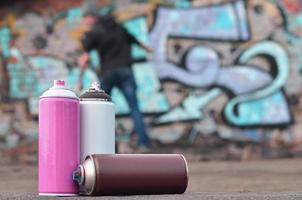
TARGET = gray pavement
x,y
270,179
186,196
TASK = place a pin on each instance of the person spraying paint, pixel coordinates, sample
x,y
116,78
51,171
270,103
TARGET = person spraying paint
x,y
113,44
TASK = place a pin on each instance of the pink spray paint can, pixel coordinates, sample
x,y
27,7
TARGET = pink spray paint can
x,y
59,145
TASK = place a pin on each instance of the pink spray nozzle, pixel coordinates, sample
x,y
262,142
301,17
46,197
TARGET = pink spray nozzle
x,y
59,83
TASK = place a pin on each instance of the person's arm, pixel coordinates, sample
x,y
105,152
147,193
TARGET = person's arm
x,y
88,43
83,61
147,48
134,40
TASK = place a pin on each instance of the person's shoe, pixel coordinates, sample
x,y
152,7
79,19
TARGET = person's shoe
x,y
143,149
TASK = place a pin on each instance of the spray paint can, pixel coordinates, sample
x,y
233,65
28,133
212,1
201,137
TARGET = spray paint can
x,y
59,134
97,122
125,174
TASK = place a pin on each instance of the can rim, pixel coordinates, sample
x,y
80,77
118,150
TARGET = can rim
x,y
94,99
187,169
90,157
44,97
83,174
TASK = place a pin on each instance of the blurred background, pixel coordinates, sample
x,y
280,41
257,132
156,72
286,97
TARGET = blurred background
x,y
224,81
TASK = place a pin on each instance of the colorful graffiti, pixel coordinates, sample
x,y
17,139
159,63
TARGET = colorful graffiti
x,y
229,68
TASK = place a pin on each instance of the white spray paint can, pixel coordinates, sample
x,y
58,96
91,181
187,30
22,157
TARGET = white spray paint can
x,y
97,122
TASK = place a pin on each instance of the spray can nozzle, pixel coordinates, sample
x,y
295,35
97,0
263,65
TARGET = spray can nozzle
x,y
78,175
95,92
95,86
59,83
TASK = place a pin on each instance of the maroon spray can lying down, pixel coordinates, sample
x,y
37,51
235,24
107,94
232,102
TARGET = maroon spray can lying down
x,y
130,174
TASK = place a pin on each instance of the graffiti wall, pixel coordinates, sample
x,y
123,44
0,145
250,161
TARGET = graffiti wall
x,y
229,68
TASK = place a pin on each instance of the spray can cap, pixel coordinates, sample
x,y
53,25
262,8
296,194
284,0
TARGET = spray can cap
x,y
95,93
58,83
59,90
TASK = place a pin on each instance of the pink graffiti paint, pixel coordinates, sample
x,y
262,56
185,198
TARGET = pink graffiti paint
x,y
59,149
293,6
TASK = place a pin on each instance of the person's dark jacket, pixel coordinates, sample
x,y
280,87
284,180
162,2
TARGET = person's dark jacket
x,y
112,42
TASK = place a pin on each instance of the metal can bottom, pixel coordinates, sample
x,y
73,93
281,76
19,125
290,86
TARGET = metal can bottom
x,y
58,194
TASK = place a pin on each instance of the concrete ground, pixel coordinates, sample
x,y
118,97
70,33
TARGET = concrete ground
x,y
270,179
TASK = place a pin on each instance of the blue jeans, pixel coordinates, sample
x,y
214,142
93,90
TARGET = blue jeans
x,y
123,79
